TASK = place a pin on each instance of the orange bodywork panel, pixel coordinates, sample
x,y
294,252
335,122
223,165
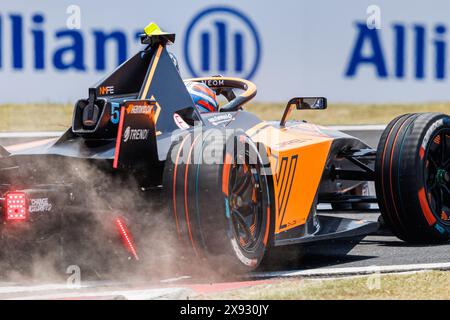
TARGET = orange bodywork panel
x,y
298,155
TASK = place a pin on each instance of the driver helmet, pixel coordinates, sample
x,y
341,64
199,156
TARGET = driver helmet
x,y
204,97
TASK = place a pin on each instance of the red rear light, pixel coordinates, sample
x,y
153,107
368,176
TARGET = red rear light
x,y
15,206
126,237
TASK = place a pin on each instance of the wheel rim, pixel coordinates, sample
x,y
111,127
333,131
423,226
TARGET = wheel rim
x,y
437,175
245,204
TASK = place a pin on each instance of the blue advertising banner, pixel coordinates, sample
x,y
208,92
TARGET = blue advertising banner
x,y
352,51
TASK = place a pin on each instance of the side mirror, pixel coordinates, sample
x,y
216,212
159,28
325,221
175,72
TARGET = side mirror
x,y
303,103
309,103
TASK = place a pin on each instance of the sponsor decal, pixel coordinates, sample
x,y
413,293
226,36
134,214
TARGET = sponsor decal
x,y
126,134
433,128
222,40
139,108
60,48
106,90
291,142
221,118
214,83
369,51
135,134
40,205
180,122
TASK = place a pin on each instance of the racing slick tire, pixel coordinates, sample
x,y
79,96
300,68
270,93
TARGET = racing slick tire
x,y
413,177
221,208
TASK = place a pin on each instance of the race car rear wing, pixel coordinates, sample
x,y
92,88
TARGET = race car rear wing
x,y
303,103
148,75
136,135
147,81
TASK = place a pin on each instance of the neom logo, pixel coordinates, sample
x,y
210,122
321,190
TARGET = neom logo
x,y
68,51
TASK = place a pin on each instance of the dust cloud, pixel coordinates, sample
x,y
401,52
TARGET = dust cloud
x,y
84,237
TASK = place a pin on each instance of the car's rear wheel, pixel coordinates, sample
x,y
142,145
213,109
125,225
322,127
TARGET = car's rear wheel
x,y
413,177
221,210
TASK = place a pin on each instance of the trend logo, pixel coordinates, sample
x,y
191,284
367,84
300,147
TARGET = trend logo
x,y
126,134
222,40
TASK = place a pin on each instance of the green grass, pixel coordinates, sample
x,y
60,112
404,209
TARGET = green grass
x,y
423,285
35,117
56,117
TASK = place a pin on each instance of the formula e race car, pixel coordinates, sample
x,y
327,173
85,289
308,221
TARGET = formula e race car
x,y
230,186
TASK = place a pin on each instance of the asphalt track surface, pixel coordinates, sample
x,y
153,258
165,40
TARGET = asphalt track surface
x,y
380,249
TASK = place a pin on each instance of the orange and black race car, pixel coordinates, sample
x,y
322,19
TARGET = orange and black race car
x,y
229,184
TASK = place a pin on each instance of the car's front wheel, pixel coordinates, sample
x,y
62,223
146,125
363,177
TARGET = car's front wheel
x,y
413,177
221,207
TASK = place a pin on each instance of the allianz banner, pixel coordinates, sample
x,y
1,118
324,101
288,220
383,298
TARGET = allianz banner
x,y
349,51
